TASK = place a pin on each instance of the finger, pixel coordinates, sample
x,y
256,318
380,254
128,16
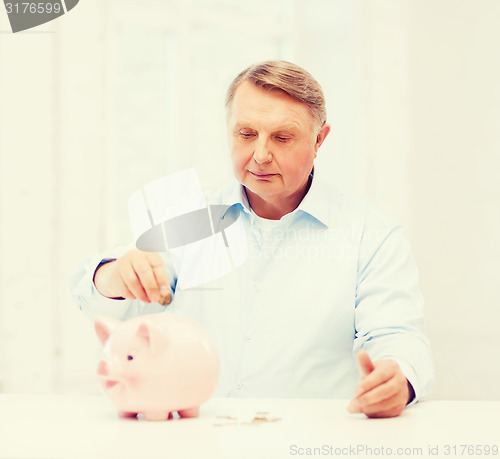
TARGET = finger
x,y
365,364
380,393
146,277
384,409
126,293
391,413
385,370
160,273
359,405
132,282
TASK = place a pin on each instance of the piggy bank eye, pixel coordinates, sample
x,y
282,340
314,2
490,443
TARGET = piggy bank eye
x,y
129,357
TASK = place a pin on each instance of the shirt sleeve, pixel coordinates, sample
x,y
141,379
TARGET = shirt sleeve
x,y
389,315
92,303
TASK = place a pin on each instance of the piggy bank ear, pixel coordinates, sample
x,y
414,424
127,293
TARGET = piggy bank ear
x,y
153,335
104,326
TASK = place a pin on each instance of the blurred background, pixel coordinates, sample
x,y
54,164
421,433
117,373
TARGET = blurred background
x,y
117,93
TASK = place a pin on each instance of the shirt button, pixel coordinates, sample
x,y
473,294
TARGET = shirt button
x,y
239,386
249,336
258,287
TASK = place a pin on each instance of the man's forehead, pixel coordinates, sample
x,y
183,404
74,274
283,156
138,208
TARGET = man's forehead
x,y
279,125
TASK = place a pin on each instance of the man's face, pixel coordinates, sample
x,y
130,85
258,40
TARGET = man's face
x,y
273,142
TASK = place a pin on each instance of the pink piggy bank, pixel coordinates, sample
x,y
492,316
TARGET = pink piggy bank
x,y
156,364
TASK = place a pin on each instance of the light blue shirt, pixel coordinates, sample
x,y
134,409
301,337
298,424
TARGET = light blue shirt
x,y
332,277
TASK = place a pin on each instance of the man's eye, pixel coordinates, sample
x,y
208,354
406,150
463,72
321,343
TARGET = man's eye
x,y
282,139
247,135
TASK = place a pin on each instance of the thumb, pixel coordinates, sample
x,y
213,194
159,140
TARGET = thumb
x,y
365,364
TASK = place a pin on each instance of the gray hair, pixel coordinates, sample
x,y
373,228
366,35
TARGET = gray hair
x,y
287,77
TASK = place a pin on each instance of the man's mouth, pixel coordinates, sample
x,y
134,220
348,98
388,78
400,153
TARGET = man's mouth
x,y
261,175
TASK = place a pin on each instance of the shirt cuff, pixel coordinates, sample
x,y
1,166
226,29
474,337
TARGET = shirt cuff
x,y
100,304
103,262
411,377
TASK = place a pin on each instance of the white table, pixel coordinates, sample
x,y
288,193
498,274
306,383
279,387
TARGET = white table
x,y
57,426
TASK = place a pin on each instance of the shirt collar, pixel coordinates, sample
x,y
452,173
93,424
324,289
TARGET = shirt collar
x,y
234,194
316,202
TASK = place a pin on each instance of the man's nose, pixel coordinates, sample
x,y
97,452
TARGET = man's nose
x,y
262,154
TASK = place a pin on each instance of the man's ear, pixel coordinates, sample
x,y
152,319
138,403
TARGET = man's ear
x,y
322,134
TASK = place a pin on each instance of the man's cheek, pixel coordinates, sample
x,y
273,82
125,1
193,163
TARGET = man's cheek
x,y
238,168
240,161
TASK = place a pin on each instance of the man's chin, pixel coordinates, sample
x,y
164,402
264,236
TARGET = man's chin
x,y
261,188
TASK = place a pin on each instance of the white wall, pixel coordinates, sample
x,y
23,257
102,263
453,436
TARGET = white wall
x,y
455,187
116,93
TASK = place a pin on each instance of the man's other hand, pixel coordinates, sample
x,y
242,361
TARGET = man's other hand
x,y
383,391
135,275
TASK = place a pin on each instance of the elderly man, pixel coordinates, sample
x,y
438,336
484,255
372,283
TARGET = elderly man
x,y
327,302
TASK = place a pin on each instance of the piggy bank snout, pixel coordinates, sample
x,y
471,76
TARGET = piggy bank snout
x,y
102,368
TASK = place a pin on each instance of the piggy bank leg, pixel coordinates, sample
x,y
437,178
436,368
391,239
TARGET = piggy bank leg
x,y
190,412
157,415
126,414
